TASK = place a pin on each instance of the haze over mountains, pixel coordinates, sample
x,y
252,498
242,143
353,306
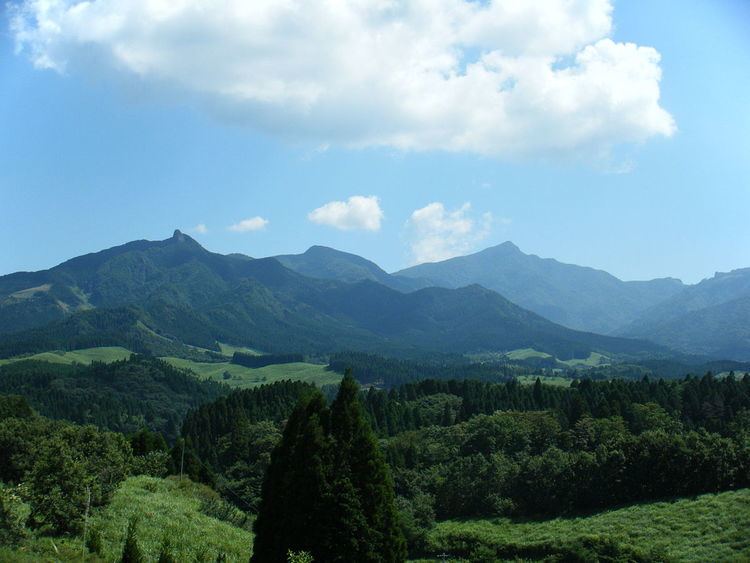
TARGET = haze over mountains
x,y
164,294
574,296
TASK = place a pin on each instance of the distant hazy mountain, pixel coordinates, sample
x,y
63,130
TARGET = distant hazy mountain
x,y
331,264
574,296
154,294
712,318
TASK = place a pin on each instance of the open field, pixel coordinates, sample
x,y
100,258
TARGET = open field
x,y
241,377
710,527
594,359
525,354
83,356
229,350
546,379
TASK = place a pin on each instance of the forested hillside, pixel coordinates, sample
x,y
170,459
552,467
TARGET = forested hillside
x,y
168,297
123,396
709,318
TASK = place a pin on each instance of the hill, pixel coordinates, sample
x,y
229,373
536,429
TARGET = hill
x,y
574,296
708,318
123,396
161,297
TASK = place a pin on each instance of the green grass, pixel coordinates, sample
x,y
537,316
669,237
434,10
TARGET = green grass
x,y
169,508
594,359
84,356
229,350
164,508
525,354
242,377
546,379
712,527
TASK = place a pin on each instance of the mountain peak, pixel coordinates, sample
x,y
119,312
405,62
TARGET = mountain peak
x,y
178,236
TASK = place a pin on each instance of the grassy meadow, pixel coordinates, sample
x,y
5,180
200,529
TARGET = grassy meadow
x,y
83,356
711,527
241,377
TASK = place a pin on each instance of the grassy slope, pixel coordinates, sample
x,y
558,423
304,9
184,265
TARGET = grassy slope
x,y
710,527
229,350
525,354
84,356
165,507
243,377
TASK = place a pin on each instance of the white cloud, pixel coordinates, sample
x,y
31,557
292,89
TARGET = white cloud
x,y
437,234
497,77
358,212
247,225
200,229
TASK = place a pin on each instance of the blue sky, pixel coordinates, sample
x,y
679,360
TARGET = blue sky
x,y
96,156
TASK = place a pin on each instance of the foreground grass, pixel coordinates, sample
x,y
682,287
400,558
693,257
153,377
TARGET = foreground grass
x,y
712,527
83,356
241,377
166,509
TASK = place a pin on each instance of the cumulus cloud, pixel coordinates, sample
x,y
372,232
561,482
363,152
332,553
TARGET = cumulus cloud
x,y
248,225
497,77
437,234
200,229
358,212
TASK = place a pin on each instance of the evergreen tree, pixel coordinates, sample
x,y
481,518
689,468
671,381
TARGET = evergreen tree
x,y
328,490
296,493
360,458
131,551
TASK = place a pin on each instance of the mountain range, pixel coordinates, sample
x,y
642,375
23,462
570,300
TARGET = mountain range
x,y
155,293
711,318
574,296
174,295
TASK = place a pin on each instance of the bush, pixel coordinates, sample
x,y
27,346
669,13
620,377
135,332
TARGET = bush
x,y
13,515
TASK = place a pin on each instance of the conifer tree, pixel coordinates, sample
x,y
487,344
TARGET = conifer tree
x,y
296,495
360,457
131,551
328,490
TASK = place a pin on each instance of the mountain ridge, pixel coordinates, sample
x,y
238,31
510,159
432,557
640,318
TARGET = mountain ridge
x,y
183,292
579,297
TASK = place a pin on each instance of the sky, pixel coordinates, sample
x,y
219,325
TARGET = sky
x,y
611,135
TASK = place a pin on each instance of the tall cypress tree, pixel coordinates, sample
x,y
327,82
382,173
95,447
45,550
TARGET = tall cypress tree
x,y
328,490
359,456
296,492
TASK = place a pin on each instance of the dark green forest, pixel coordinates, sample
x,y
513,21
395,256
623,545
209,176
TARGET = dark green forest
x,y
123,396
